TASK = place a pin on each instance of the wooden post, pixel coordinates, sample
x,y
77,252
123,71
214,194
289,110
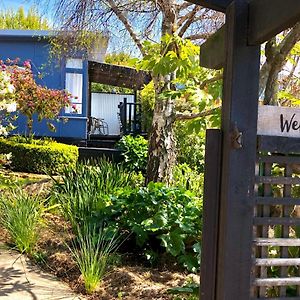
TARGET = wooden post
x,y
125,116
239,125
135,113
213,155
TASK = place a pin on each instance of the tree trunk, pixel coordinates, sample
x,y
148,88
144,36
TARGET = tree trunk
x,y
29,126
162,144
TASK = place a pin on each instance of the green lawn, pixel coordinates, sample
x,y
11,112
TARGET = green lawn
x,y
12,179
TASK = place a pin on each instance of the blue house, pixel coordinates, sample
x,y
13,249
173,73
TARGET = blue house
x,y
75,74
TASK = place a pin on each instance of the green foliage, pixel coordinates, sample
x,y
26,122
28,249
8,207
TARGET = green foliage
x,y
38,156
160,219
187,178
179,55
84,42
147,99
135,152
91,251
9,180
119,59
191,146
83,192
20,215
175,68
18,19
105,88
189,291
159,214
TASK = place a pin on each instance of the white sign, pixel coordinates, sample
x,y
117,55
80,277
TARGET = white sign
x,y
278,121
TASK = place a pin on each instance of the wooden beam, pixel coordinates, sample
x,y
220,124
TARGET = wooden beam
x,y
117,75
269,17
219,5
266,19
212,52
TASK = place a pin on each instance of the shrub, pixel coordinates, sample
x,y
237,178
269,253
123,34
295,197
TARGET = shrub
x,y
190,147
91,252
84,191
32,98
171,216
135,152
21,216
38,156
187,178
147,98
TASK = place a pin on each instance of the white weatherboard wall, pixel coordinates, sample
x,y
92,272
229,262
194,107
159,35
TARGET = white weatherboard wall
x,y
105,106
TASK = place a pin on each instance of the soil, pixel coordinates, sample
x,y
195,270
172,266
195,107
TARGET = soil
x,y
128,280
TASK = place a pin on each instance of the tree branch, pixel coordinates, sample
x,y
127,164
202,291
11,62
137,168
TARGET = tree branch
x,y
210,80
126,24
189,19
278,62
198,36
186,117
184,5
183,18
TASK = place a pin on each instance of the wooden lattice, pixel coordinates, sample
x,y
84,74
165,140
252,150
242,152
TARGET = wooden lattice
x,y
276,244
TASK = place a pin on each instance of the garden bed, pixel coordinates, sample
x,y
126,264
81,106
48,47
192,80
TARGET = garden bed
x,y
128,278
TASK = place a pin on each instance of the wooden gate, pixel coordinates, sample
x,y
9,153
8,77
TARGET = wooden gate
x,y
250,229
276,219
275,256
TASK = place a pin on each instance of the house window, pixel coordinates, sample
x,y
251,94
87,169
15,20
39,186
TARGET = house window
x,y
74,84
74,63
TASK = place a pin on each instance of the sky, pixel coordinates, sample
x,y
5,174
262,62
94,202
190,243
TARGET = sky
x,y
5,4
15,4
116,42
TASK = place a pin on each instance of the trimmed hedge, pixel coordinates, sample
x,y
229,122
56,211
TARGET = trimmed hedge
x,y
38,156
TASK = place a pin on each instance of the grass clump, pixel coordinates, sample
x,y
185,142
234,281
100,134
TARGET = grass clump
x,y
84,192
21,216
91,251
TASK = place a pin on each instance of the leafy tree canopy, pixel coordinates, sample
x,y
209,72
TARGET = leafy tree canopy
x,y
19,19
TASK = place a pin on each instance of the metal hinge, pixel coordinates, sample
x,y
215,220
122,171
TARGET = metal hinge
x,y
236,137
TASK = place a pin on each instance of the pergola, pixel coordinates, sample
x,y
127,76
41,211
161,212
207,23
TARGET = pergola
x,y
117,75
238,179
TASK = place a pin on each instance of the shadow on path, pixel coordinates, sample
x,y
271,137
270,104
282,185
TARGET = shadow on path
x,y
21,280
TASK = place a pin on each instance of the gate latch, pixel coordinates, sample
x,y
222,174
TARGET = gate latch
x,y
236,138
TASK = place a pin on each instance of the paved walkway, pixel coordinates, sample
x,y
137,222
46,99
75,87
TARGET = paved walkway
x,y
20,280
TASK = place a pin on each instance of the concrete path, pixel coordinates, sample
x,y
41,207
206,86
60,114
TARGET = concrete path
x,y
20,280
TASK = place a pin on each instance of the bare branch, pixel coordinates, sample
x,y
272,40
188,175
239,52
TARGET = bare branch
x,y
126,24
198,36
184,5
183,18
289,78
189,20
210,80
186,117
278,62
